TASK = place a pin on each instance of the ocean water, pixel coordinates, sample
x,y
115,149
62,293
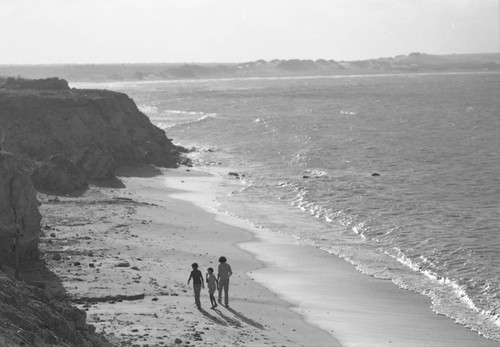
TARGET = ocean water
x,y
399,175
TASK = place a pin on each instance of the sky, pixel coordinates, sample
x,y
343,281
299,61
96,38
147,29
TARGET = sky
x,y
156,31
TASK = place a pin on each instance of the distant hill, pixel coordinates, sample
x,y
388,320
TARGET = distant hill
x,y
414,62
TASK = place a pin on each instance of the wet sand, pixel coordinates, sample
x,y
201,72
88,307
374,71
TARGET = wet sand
x,y
127,253
126,258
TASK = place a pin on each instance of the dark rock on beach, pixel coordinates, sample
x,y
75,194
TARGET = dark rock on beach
x,y
236,174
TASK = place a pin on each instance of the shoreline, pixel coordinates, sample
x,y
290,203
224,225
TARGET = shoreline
x,y
133,246
390,315
79,84
126,255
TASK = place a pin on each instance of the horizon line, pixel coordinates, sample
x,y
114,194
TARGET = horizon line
x,y
240,62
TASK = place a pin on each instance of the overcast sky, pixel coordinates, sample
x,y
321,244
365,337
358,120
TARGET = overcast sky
x,y
129,31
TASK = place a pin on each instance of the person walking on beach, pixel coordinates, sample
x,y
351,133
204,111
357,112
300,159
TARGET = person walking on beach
x,y
212,285
223,273
197,278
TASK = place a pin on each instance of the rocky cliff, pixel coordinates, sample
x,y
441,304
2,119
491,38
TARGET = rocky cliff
x,y
97,130
19,216
62,137
30,317
58,138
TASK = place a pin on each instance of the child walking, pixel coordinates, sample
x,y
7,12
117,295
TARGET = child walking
x,y
197,278
212,286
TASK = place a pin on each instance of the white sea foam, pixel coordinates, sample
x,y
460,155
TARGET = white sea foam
x,y
349,113
173,118
434,200
148,109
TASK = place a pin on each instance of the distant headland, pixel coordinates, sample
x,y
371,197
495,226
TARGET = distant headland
x,y
411,63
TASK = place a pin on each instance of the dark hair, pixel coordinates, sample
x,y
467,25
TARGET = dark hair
x,y
194,265
222,259
210,269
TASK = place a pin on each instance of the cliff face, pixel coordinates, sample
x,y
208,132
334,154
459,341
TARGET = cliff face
x,y
29,317
59,138
18,210
97,130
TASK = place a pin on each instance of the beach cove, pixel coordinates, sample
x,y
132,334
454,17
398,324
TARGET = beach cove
x,y
332,162
127,253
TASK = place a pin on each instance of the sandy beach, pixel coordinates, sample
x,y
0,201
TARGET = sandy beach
x,y
124,254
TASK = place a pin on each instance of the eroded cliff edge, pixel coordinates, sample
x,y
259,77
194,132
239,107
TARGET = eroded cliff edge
x,y
56,139
97,130
19,216
61,138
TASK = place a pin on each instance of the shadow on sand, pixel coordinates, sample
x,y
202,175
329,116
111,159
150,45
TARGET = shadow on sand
x,y
141,170
245,319
228,319
113,182
145,171
212,318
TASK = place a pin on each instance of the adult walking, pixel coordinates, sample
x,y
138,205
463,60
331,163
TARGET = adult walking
x,y
223,273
